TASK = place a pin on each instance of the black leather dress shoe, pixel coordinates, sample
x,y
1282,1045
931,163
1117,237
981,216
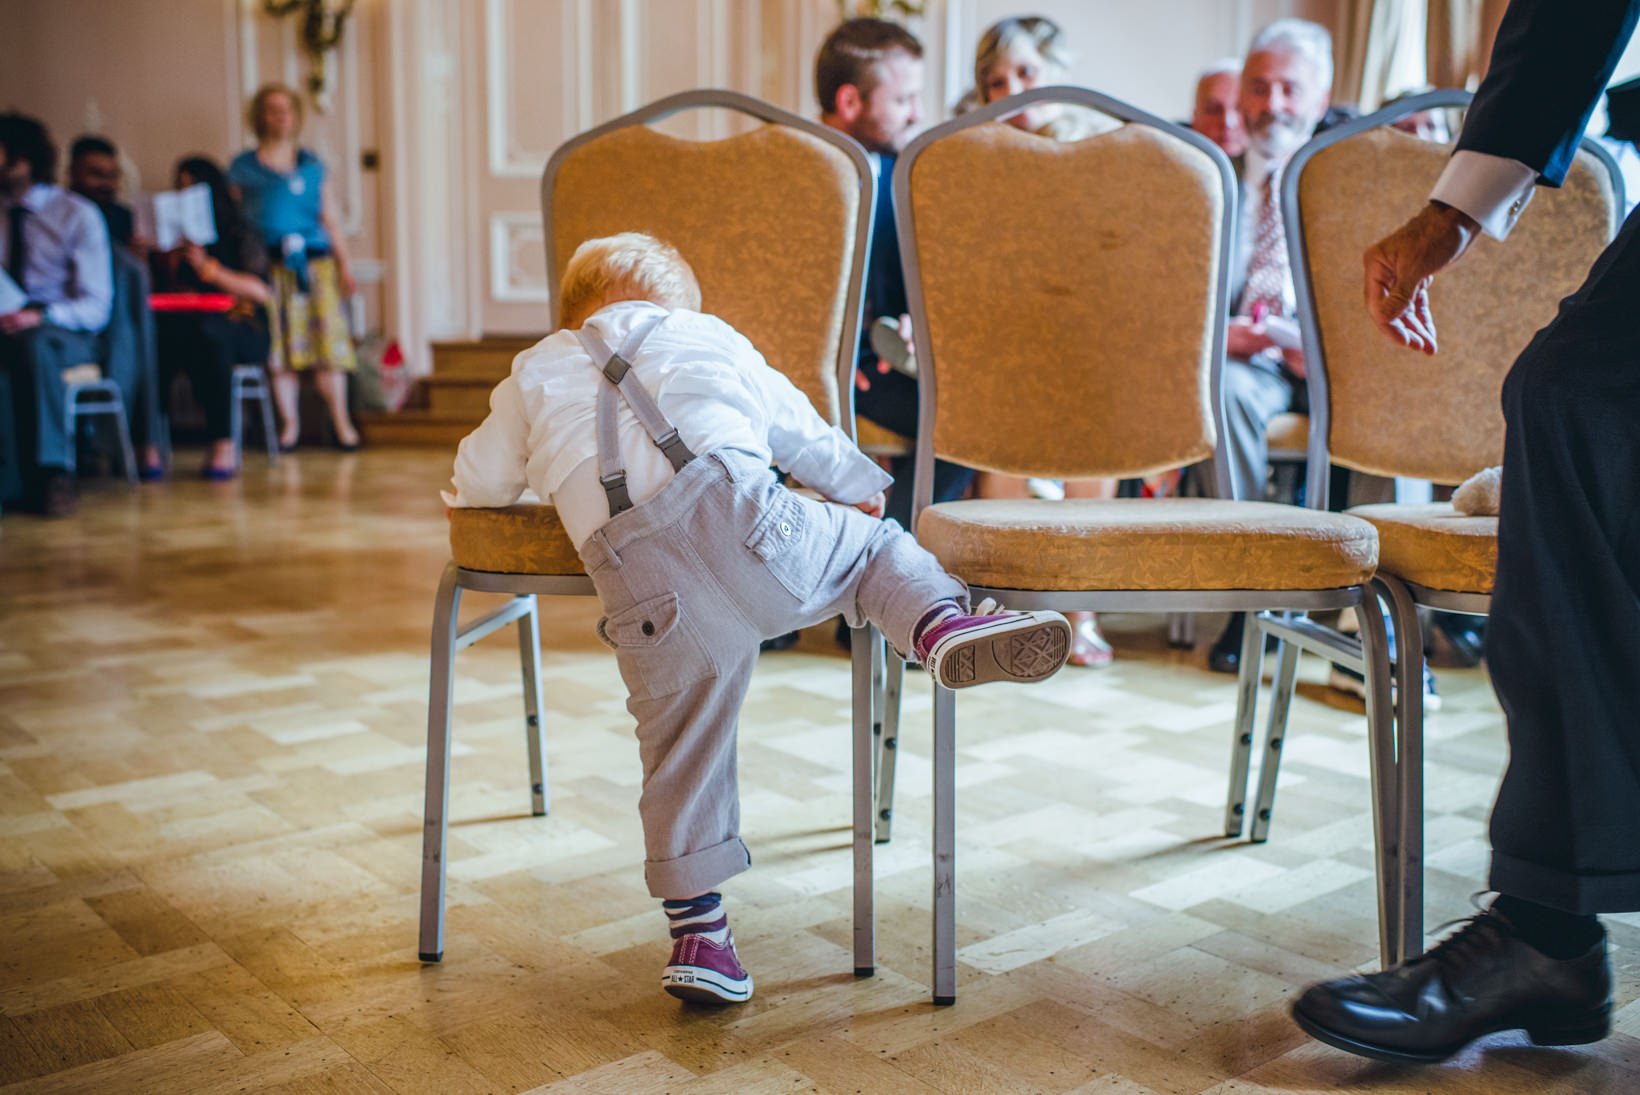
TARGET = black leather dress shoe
x,y
1481,980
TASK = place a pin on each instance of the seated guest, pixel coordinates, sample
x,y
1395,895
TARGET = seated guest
x,y
1017,55
126,346
697,552
55,248
1217,111
1285,86
869,79
94,174
207,345
283,187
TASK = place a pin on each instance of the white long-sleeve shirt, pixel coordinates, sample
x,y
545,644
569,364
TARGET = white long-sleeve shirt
x,y
710,383
1494,190
69,265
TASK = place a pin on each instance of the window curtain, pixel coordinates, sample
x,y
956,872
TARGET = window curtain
x,y
1386,47
1460,40
1380,50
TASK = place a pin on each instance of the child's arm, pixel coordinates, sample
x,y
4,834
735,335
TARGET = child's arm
x,y
810,449
490,463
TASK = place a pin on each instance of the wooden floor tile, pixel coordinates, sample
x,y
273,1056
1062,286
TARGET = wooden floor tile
x,y
212,735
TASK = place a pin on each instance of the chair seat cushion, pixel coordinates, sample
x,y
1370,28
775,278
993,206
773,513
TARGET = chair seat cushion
x,y
1434,545
1288,433
1148,544
527,538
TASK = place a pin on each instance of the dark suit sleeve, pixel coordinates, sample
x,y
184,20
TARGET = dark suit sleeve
x,y
1550,63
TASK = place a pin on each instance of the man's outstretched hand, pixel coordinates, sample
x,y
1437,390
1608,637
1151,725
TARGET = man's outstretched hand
x,y
1400,266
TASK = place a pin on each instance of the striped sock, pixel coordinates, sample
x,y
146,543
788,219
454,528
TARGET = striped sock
x,y
701,915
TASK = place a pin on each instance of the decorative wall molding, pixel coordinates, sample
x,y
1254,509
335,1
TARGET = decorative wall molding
x,y
507,156
512,281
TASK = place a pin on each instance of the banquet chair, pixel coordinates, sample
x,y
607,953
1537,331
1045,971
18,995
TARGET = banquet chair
x,y
1071,303
1377,407
776,223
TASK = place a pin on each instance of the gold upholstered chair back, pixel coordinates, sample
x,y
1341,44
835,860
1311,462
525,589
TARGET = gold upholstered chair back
x,y
774,221
1376,406
1067,297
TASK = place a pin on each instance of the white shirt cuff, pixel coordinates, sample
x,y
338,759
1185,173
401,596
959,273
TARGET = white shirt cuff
x,y
1492,189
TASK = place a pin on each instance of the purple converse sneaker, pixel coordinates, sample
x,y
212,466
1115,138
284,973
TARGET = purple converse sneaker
x,y
994,645
706,972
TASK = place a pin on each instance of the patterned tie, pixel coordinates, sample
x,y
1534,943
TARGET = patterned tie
x,y
1267,269
16,246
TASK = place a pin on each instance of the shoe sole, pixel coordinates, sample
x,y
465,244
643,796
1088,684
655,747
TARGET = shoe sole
x,y
704,986
1025,648
1593,1028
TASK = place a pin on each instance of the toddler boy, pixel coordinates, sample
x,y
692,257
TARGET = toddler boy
x,y
651,427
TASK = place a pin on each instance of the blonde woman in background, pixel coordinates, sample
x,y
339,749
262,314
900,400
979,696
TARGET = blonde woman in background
x,y
1015,55
282,187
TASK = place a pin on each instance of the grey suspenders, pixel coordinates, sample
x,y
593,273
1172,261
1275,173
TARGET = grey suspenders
x,y
617,368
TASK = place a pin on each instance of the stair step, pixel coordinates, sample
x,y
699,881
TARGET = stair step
x,y
420,428
460,395
487,358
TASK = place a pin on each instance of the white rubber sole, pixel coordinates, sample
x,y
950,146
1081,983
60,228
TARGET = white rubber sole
x,y
1023,647
705,986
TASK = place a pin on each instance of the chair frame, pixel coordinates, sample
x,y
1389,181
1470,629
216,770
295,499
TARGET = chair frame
x,y
250,383
1402,796
1169,601
449,636
108,401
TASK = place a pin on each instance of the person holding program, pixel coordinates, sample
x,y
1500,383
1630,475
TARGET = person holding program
x,y
651,427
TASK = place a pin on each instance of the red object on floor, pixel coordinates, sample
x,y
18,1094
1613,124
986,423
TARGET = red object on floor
x,y
190,302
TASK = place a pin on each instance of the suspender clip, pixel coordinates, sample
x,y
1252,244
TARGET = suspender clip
x,y
616,369
674,448
615,490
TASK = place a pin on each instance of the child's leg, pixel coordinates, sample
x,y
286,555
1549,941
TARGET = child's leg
x,y
905,592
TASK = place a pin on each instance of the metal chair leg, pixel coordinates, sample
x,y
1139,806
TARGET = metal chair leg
x,y
435,818
1385,789
1409,761
945,846
864,650
1241,742
236,415
128,454
893,681
1281,702
270,436
529,658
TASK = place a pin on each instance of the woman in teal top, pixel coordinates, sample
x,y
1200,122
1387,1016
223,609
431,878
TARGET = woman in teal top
x,y
282,188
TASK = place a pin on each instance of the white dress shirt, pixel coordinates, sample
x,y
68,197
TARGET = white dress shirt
x,y
1492,189
710,383
69,264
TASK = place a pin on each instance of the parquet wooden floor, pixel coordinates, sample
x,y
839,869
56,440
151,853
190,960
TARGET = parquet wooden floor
x,y
212,717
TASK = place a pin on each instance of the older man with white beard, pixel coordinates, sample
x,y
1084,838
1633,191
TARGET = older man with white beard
x,y
1285,87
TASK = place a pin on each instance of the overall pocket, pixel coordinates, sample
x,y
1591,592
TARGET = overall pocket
x,y
658,651
785,540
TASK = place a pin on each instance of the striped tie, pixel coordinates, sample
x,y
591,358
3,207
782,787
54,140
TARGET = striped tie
x,y
1267,269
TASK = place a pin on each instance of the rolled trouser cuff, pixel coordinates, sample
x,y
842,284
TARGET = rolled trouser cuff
x,y
697,872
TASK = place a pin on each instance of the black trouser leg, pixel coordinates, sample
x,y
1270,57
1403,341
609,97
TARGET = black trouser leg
x,y
891,402
1563,641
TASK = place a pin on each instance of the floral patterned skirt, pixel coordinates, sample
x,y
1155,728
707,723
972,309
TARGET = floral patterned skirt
x,y
309,329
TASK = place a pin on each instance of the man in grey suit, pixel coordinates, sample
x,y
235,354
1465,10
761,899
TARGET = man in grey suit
x,y
1563,640
1285,88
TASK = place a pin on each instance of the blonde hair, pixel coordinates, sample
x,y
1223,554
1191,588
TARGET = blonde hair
x,y
1005,37
628,266
253,113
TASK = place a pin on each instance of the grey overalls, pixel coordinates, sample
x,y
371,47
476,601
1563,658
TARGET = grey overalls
x,y
692,580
